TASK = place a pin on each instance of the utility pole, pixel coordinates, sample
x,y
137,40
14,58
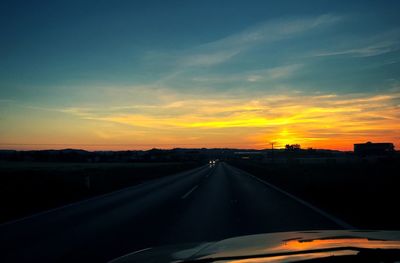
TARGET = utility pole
x,y
272,151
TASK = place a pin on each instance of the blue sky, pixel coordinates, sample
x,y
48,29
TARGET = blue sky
x,y
99,61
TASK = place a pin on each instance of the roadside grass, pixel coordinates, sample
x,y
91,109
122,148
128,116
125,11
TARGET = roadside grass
x,y
31,187
364,194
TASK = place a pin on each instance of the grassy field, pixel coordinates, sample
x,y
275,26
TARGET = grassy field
x,y
365,194
30,187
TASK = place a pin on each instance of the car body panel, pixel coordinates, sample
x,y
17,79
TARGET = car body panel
x,y
272,247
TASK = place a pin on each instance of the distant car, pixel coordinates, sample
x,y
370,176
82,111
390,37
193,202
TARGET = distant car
x,y
303,246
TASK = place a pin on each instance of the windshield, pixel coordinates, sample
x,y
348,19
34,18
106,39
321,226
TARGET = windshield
x,y
132,126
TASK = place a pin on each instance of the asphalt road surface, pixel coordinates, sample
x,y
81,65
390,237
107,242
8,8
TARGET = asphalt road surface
x,y
204,204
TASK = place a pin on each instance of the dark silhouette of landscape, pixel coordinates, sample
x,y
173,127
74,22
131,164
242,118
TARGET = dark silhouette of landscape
x,y
200,194
360,187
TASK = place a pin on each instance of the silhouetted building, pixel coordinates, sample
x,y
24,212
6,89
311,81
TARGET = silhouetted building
x,y
370,148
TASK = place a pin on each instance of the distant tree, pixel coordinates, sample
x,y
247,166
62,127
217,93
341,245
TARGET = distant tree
x,y
292,147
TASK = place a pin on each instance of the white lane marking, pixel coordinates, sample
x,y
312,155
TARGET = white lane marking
x,y
316,209
190,191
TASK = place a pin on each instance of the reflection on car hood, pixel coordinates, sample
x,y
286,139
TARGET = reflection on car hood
x,y
274,247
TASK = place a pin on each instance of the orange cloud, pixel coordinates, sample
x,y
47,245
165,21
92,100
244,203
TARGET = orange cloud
x,y
320,121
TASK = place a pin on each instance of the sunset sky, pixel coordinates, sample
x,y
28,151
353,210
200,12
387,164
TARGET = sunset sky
x,y
116,75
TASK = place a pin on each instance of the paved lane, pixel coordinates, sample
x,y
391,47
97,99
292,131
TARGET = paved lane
x,y
98,229
230,203
204,204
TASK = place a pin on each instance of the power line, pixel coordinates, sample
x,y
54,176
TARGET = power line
x,y
125,144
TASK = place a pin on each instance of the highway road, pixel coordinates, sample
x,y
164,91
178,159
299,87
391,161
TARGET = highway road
x,y
204,204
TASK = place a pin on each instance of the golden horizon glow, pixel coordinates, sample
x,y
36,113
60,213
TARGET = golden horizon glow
x,y
328,121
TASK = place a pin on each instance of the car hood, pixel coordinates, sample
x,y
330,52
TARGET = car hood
x,y
273,247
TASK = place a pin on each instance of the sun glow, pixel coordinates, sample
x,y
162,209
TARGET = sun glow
x,y
318,121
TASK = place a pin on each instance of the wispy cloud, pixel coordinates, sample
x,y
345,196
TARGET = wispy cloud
x,y
266,74
382,43
224,49
192,66
280,72
211,57
367,51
